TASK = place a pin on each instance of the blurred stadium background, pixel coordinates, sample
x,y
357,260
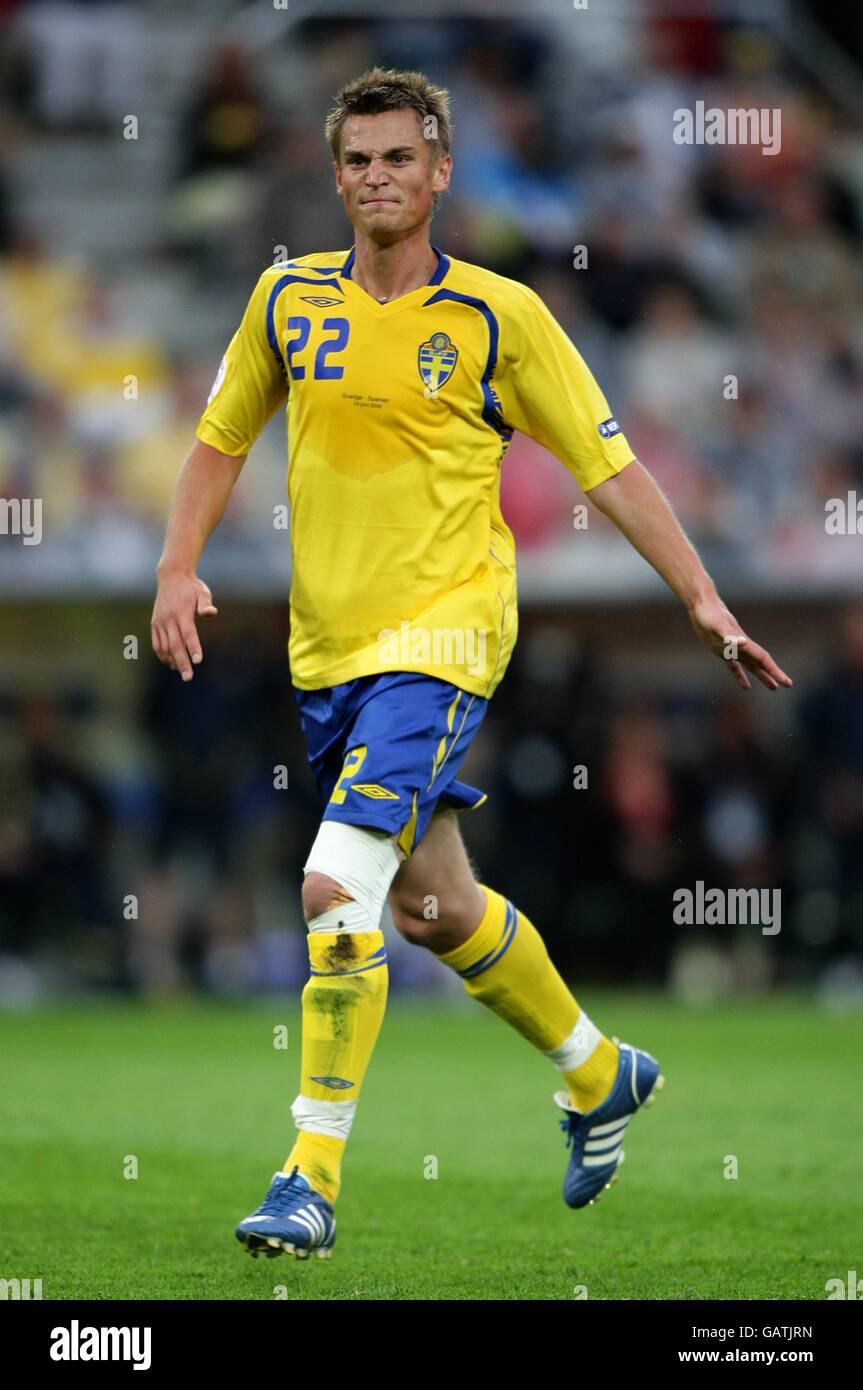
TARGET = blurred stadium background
x,y
128,257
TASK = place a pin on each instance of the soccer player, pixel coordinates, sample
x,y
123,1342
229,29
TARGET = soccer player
x,y
405,372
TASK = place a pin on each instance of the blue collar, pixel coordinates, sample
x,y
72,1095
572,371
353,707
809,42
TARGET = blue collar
x,y
443,264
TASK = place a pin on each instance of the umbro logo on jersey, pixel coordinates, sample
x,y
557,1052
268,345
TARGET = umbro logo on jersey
x,y
321,301
335,1083
608,428
374,791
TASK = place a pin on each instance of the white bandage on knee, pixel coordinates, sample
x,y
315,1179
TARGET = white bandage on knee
x,y
364,862
576,1049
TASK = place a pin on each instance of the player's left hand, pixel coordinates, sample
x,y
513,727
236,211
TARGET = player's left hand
x,y
722,633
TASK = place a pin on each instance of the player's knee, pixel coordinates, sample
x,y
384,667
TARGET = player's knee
x,y
408,921
347,877
321,892
418,922
424,919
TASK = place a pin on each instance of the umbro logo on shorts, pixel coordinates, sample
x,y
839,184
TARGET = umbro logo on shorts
x,y
374,791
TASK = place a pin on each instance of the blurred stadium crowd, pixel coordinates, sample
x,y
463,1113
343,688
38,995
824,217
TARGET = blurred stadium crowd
x,y
130,260
703,262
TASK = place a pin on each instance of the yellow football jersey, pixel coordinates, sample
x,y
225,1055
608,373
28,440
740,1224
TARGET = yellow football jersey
x,y
398,418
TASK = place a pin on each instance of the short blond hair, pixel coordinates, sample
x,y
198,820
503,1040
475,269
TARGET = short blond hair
x,y
385,89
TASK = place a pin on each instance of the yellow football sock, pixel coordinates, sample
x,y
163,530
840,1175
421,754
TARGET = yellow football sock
x,y
505,965
343,1008
590,1083
319,1157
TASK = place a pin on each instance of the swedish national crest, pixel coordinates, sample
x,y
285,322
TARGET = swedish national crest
x,y
436,360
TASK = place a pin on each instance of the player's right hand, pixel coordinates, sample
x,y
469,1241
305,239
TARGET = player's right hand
x,y
181,598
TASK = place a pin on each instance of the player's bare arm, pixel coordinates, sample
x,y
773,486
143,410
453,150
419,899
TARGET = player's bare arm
x,y
639,509
200,497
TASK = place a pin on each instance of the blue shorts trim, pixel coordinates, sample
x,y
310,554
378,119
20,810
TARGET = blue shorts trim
x,y
385,749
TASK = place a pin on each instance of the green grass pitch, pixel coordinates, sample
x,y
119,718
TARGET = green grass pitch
x,y
200,1096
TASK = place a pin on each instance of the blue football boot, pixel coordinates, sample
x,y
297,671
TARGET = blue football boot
x,y
596,1136
292,1217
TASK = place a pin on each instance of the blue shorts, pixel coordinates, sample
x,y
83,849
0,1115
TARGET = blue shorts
x,y
385,749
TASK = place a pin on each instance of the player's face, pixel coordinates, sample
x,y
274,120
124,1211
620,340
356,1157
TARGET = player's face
x,y
388,175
